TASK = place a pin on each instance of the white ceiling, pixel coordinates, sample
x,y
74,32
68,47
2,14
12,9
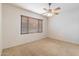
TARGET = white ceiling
x,y
38,7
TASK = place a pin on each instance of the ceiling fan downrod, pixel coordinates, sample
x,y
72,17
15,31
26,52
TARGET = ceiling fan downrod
x,y
49,5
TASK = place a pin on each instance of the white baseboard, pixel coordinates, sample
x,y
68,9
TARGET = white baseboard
x,y
23,43
64,39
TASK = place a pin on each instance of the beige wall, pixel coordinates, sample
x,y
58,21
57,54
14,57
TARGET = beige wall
x,y
0,31
65,26
12,26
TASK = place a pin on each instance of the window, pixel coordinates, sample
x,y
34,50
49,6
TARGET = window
x,y
31,25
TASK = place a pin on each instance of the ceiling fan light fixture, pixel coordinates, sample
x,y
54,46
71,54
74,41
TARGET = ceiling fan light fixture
x,y
50,14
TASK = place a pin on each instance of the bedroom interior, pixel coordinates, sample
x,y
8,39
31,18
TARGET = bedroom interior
x,y
39,29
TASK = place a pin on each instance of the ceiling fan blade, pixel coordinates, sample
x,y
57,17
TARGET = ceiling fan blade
x,y
58,8
45,12
45,9
56,13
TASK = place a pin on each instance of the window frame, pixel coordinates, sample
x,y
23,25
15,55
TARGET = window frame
x,y
27,25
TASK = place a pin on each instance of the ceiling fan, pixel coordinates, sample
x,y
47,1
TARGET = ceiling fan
x,y
51,11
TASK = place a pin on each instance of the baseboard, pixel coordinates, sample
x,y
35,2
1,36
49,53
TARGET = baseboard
x,y
23,43
64,39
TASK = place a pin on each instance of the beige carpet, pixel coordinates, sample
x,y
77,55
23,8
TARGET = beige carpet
x,y
43,47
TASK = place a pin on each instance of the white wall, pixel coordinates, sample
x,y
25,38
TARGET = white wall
x,y
65,26
12,26
0,30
